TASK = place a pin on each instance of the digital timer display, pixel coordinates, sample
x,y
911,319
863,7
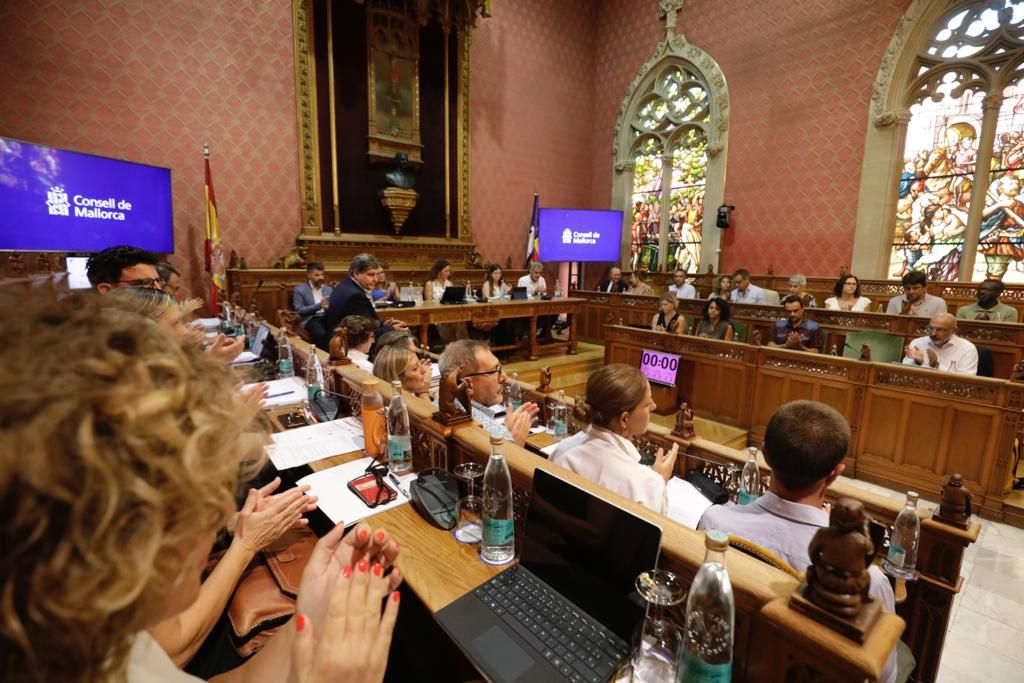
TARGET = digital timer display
x,y
659,367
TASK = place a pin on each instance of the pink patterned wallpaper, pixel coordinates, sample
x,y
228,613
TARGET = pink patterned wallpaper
x,y
799,76
150,82
531,93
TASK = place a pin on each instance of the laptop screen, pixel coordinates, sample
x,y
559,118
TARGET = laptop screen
x,y
256,346
589,550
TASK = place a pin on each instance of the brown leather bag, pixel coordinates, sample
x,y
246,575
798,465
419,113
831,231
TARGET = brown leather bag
x,y
264,598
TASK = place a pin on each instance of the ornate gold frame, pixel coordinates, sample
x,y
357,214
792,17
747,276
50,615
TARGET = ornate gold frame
x,y
384,141
312,205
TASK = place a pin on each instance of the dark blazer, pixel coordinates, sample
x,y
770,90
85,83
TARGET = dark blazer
x,y
348,298
303,303
620,288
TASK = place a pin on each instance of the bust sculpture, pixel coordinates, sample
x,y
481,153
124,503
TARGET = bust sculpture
x,y
399,176
838,579
955,502
339,346
865,352
684,422
450,412
544,386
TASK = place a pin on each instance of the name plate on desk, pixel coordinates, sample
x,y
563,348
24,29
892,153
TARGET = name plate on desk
x,y
659,367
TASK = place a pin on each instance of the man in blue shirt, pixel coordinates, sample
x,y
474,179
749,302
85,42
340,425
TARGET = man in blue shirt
x,y
795,331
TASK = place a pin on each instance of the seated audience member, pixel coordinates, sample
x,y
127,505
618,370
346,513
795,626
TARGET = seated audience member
x,y
746,292
915,300
795,331
722,287
398,362
618,407
614,282
716,322
798,288
534,281
437,281
361,333
352,295
988,306
804,445
846,296
137,447
680,287
942,349
667,318
637,287
475,363
123,266
171,277
310,300
398,338
384,290
160,307
494,286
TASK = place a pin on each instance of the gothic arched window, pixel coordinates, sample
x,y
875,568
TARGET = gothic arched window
x,y
959,208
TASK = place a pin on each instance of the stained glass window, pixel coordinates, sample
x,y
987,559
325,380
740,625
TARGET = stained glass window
x,y
973,54
670,156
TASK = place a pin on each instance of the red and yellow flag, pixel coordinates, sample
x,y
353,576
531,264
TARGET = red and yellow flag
x,y
214,252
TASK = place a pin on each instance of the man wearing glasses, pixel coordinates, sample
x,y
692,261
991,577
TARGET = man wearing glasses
x,y
123,266
482,369
942,349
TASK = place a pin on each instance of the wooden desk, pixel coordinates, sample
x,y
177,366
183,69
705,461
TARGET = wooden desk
x,y
491,313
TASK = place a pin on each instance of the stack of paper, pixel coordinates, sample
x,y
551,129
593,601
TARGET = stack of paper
x,y
282,392
304,445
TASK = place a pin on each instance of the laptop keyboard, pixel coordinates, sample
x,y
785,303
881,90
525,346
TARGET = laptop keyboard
x,y
578,646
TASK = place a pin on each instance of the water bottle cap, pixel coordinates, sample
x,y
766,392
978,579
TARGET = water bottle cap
x,y
369,384
716,540
912,495
497,441
396,384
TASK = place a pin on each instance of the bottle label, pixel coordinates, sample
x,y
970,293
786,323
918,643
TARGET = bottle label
x,y
499,531
897,554
560,427
745,498
697,670
312,391
284,366
516,404
396,449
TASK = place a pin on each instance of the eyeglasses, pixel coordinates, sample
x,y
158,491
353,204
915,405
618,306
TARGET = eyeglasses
x,y
144,282
485,372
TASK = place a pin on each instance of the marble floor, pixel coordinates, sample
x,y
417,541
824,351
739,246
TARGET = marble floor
x,y
985,640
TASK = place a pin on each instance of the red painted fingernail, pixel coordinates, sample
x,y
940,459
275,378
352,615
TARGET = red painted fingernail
x,y
378,570
380,536
395,596
346,572
300,622
363,564
363,534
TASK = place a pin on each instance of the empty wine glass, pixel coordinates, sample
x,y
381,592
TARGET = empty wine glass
x,y
468,528
658,641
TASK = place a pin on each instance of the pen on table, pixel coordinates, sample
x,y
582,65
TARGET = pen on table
x,y
278,394
394,480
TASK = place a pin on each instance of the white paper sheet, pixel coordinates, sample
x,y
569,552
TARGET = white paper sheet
x,y
338,502
304,445
685,503
282,392
245,357
207,323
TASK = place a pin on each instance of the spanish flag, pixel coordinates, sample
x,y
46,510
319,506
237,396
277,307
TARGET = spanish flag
x,y
214,253
533,240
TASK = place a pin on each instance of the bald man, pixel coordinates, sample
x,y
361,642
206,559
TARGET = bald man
x,y
942,349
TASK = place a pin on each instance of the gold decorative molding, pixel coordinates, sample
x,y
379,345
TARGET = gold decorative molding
x,y
465,224
305,110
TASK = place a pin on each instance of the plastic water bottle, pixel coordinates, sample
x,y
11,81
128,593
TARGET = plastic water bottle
x,y
750,479
906,532
834,351
514,392
560,418
314,374
285,365
469,292
558,289
710,618
399,437
498,545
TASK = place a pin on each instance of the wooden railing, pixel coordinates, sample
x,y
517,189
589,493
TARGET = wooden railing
x,y
773,643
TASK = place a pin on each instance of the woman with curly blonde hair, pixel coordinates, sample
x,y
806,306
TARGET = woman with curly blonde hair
x,y
119,462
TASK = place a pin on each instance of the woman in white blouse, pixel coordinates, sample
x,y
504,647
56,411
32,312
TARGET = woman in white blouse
x,y
437,281
618,406
847,296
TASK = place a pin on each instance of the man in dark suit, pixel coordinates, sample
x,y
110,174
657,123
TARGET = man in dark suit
x,y
614,283
310,300
352,295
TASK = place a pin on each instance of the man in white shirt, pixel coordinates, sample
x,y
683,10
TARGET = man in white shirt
x,y
915,300
534,282
746,292
681,288
942,349
804,445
